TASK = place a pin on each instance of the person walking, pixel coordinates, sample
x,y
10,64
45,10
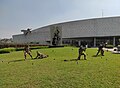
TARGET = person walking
x,y
27,51
82,52
100,49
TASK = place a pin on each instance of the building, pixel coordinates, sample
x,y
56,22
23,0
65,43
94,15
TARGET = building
x,y
90,31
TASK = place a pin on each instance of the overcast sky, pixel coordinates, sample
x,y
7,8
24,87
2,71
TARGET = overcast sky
x,y
17,15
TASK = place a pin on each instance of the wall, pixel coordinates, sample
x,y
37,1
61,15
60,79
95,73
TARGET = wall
x,y
99,27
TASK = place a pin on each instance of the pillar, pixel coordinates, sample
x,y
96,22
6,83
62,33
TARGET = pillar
x,y
94,42
113,41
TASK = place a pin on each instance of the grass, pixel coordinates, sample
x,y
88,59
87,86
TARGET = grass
x,y
54,72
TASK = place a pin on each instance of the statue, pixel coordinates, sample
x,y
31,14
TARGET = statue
x,y
28,31
56,38
56,35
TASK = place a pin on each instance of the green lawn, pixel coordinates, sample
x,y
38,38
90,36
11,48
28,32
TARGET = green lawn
x,y
54,72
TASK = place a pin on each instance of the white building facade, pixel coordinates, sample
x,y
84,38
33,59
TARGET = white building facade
x,y
91,31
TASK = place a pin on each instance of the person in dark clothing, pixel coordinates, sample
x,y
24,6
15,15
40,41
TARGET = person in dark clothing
x,y
100,49
82,52
27,51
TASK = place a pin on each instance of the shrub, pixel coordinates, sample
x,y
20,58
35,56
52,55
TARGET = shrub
x,y
109,46
38,47
19,49
32,48
118,46
4,51
7,50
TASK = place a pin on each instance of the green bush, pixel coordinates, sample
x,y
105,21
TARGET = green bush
x,y
38,47
19,49
68,45
109,46
118,46
32,48
8,50
4,51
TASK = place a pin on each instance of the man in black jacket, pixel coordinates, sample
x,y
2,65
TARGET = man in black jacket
x,y
100,49
82,52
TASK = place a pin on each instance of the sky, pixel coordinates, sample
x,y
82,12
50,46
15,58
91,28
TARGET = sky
x,y
17,15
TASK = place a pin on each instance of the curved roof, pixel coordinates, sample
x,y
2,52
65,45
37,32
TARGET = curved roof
x,y
109,26
106,26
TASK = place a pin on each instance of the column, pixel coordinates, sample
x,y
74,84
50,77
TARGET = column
x,y
79,42
113,41
94,42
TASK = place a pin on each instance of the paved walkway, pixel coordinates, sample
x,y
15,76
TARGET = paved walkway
x,y
113,50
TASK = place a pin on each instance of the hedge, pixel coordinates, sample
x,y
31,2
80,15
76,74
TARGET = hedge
x,y
8,50
4,51
109,46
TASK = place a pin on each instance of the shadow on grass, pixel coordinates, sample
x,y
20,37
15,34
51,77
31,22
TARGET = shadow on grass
x,y
97,56
16,60
23,60
73,60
